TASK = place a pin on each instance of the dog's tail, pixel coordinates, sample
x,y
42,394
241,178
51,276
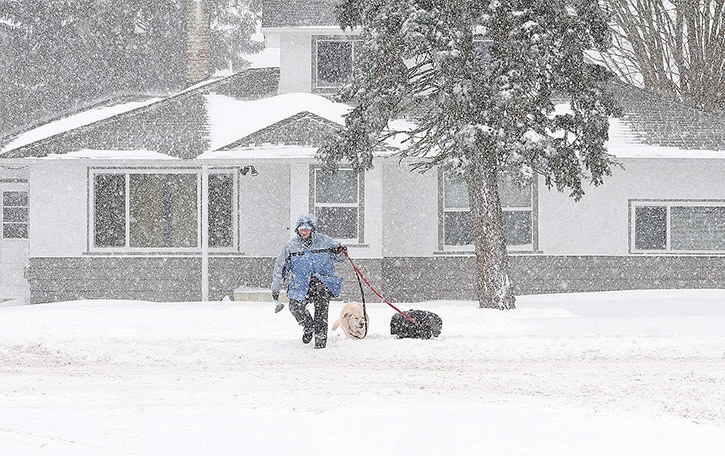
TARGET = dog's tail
x,y
336,325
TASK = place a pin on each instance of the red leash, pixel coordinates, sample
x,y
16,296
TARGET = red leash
x,y
360,274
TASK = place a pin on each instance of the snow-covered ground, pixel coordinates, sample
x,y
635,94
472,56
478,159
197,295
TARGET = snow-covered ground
x,y
619,373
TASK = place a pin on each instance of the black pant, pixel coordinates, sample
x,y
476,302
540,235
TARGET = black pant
x,y
319,295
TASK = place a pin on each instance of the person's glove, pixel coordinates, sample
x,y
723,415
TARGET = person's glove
x,y
278,306
341,248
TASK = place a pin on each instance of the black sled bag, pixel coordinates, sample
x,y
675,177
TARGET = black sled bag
x,y
429,325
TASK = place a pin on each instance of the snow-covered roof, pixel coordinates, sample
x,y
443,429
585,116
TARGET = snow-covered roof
x,y
298,13
262,152
624,142
230,119
648,131
175,126
74,121
670,124
100,154
243,110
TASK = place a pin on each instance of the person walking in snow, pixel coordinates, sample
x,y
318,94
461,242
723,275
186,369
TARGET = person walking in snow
x,y
306,262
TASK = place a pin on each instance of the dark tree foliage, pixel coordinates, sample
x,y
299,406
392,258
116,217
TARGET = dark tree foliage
x,y
233,24
61,56
480,79
58,56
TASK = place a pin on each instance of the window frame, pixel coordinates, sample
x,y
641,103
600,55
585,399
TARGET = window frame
x,y
667,204
25,223
533,246
360,205
127,172
354,41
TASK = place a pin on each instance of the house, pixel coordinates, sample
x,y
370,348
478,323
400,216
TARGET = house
x,y
191,196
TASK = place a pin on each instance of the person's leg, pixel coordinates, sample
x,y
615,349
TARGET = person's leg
x,y
303,317
322,305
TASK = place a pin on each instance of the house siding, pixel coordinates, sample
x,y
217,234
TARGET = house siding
x,y
451,277
164,279
228,273
399,279
295,54
139,278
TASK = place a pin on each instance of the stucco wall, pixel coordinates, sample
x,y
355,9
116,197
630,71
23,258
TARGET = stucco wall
x,y
264,210
583,245
374,207
598,224
410,211
58,208
296,58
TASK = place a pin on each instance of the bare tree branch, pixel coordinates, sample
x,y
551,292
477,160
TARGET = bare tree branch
x,y
674,47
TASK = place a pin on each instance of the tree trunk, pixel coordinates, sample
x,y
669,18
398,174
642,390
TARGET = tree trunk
x,y
492,268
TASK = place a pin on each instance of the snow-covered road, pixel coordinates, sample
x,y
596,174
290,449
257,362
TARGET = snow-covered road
x,y
551,377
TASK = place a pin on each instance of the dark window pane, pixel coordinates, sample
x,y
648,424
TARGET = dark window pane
x,y
338,222
650,229
110,210
457,228
15,230
517,226
163,210
697,228
221,199
334,62
15,198
337,188
15,214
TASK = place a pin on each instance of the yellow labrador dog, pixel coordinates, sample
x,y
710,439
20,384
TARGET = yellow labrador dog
x,y
353,321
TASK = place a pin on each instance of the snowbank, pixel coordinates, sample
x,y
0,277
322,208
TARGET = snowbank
x,y
638,373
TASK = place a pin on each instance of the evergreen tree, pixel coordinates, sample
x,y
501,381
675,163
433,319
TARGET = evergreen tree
x,y
480,78
233,25
59,56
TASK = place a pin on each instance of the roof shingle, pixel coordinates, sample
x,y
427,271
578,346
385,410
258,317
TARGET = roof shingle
x,y
668,123
299,13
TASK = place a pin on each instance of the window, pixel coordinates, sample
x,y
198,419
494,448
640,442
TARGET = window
x,y
15,215
333,61
678,226
160,210
221,213
336,202
518,214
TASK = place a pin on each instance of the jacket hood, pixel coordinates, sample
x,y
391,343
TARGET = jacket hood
x,y
305,219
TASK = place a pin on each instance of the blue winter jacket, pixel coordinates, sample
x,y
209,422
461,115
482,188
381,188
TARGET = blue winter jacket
x,y
299,263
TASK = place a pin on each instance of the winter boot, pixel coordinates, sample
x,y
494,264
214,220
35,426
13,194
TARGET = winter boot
x,y
307,335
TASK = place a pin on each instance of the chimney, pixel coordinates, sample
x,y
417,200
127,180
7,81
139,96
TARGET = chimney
x,y
198,41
